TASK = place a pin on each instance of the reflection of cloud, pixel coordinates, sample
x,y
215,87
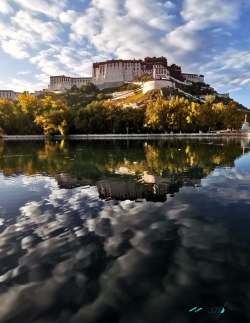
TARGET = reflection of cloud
x,y
97,257
227,186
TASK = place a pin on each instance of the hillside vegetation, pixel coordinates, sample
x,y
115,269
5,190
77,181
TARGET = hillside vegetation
x,y
87,110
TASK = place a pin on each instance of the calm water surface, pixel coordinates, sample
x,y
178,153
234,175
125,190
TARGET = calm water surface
x,y
125,231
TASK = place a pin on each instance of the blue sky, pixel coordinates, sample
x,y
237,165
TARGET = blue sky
x,y
40,38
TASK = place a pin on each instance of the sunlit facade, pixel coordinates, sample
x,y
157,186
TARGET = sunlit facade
x,y
8,94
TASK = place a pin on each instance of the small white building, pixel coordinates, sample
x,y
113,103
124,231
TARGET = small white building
x,y
8,94
65,82
36,93
160,72
224,95
193,77
161,79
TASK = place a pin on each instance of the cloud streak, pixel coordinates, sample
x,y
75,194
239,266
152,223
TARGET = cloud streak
x,y
58,38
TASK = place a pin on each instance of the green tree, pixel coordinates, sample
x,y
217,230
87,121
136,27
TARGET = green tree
x,y
206,117
232,116
7,116
100,96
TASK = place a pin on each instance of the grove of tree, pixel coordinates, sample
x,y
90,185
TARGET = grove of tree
x,y
87,110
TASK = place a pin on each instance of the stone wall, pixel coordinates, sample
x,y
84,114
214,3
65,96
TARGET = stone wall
x,y
156,84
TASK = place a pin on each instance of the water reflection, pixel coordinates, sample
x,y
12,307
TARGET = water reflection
x,y
70,256
141,170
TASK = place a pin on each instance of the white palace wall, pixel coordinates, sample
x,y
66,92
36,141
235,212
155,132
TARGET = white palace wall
x,y
156,84
113,72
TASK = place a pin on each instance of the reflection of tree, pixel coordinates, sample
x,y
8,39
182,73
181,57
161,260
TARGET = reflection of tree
x,y
93,159
175,157
33,157
177,160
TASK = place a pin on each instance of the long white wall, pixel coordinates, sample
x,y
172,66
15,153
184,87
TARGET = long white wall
x,y
156,84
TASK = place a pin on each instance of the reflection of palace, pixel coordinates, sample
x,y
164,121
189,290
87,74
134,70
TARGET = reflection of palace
x,y
68,181
151,187
123,190
244,145
149,172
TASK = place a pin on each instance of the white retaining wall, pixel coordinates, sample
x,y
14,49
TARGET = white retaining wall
x,y
156,84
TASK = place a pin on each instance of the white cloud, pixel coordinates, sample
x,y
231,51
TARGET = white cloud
x,y
26,32
47,31
229,69
233,59
221,32
210,12
5,8
23,72
68,17
50,8
45,62
183,38
169,5
42,78
234,89
20,85
58,60
15,48
126,31
186,38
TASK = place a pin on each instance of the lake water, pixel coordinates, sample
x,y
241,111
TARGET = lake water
x,y
125,231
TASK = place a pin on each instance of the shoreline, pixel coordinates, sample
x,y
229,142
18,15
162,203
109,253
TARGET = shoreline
x,y
126,136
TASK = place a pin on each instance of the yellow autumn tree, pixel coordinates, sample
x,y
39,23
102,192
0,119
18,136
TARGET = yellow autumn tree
x,y
193,114
232,116
167,115
52,116
28,107
7,116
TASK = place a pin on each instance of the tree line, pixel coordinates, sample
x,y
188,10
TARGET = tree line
x,y
85,110
171,158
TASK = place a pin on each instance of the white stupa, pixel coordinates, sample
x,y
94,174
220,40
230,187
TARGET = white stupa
x,y
245,125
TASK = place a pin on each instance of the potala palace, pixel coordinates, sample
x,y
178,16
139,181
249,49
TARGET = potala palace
x,y
114,73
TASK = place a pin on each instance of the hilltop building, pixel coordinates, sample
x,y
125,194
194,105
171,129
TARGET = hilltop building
x,y
193,77
8,94
37,93
115,72
61,82
12,95
112,73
